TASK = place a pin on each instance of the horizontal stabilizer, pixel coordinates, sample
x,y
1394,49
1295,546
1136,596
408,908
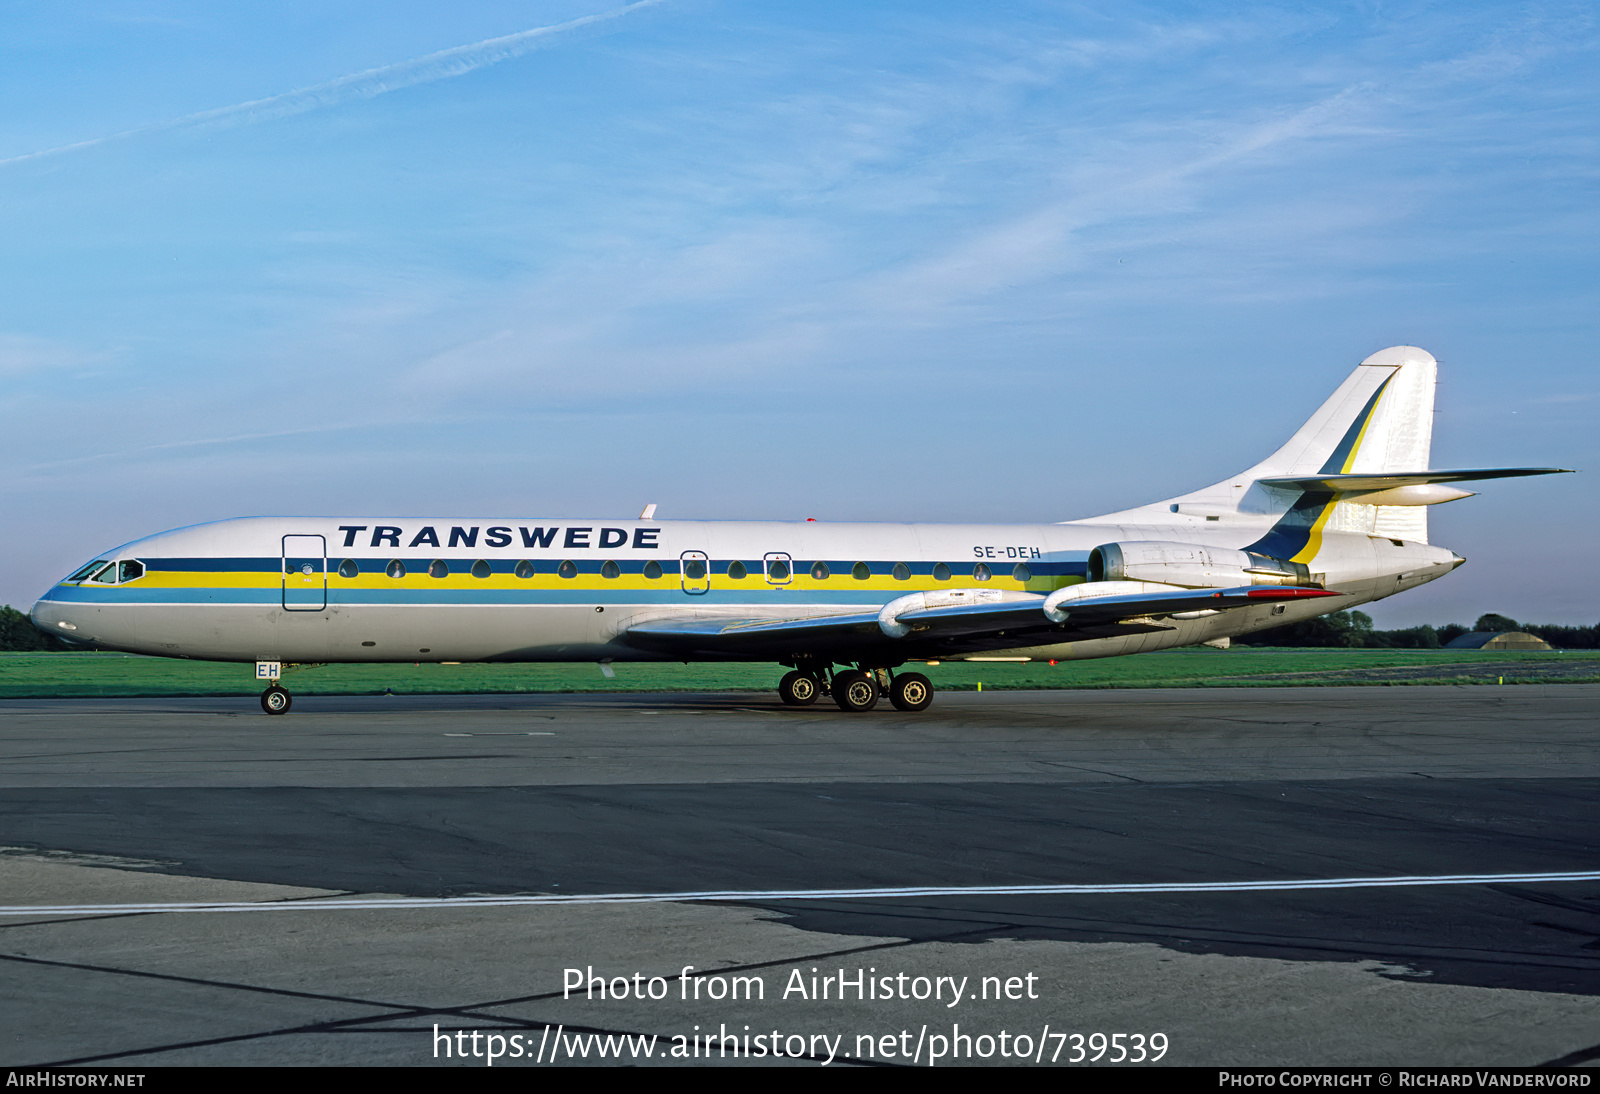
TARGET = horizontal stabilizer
x,y
1362,484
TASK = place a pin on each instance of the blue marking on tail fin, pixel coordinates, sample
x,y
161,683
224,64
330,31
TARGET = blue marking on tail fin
x,y
1292,533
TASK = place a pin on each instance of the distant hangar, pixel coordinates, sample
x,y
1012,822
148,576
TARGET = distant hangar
x,y
1498,640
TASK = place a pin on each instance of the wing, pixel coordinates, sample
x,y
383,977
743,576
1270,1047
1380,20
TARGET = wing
x,y
932,625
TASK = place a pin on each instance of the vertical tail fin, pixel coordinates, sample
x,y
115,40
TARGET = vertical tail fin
x,y
1379,420
1398,439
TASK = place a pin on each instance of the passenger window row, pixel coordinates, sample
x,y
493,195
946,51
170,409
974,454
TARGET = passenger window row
x,y
694,569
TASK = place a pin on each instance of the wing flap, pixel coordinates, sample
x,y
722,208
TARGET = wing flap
x,y
1087,608
733,631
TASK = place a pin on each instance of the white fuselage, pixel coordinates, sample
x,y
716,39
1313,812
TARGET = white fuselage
x,y
408,589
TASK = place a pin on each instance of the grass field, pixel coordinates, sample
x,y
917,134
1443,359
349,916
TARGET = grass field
x,y
90,675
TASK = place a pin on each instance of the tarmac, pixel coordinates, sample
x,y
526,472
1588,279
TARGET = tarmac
x,y
1009,878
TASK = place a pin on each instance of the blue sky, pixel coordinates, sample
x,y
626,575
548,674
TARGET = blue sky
x,y
1012,262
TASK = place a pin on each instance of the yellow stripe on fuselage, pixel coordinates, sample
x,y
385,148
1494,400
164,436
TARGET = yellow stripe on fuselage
x,y
259,579
207,579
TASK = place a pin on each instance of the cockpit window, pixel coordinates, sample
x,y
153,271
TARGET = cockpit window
x,y
83,574
130,570
108,575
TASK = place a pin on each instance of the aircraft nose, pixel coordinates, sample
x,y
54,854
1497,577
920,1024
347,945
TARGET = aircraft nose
x,y
54,618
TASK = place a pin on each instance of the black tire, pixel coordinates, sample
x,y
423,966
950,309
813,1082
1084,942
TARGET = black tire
x,y
276,701
799,689
855,692
911,691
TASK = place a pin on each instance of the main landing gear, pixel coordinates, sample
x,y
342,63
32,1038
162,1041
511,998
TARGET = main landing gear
x,y
911,692
275,700
856,690
799,689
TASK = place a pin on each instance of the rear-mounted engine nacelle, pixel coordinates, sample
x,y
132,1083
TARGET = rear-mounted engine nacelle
x,y
1191,566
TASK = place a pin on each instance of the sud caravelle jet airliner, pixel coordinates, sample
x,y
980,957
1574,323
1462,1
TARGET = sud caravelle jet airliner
x,y
1335,518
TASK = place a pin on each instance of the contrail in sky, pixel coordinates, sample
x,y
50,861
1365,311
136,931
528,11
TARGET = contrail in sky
x,y
443,65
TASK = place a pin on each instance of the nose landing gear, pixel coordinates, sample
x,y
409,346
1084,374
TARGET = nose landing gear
x,y
276,700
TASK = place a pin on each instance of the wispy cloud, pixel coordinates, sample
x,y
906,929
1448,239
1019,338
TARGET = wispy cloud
x,y
1040,243
202,442
20,353
443,65
1569,397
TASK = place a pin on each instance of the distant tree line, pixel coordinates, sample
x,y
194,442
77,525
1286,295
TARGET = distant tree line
x,y
1354,630
17,632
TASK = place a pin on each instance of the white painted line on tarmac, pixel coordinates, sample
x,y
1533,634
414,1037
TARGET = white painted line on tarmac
x,y
352,904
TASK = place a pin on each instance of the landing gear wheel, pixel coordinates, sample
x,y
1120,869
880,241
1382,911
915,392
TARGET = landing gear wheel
x,y
855,692
911,691
799,689
276,701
